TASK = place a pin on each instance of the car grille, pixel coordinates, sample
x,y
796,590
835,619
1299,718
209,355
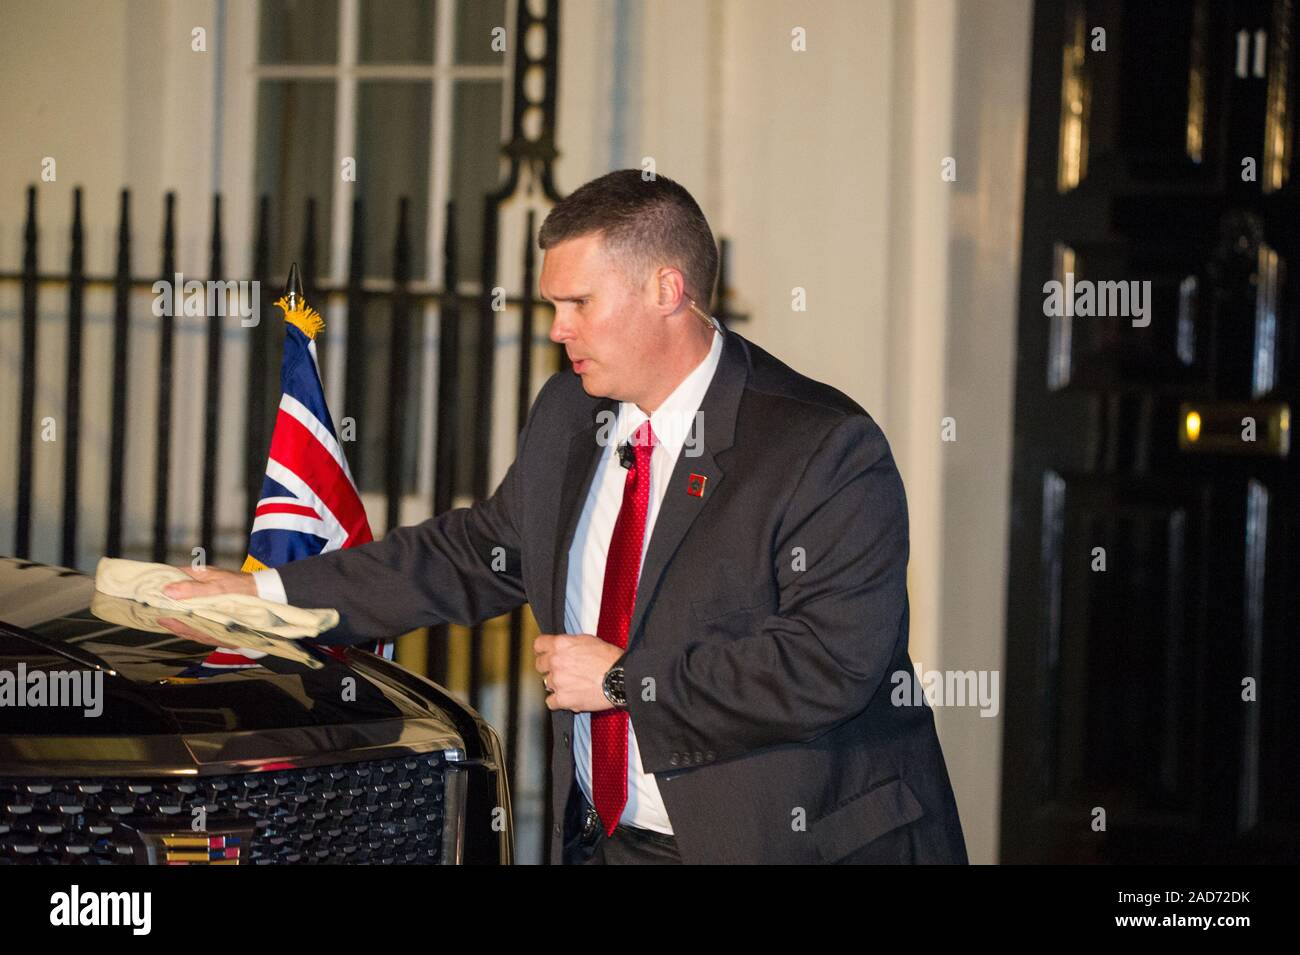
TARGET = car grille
x,y
379,811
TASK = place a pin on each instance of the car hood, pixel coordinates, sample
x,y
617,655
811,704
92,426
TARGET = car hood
x,y
156,682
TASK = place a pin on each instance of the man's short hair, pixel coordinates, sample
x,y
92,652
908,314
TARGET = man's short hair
x,y
645,223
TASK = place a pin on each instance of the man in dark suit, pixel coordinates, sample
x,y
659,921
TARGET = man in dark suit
x,y
715,548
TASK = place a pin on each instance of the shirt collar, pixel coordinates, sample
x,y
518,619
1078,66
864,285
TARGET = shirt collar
x,y
672,420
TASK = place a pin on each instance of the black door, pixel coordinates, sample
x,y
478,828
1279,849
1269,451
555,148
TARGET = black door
x,y
1153,669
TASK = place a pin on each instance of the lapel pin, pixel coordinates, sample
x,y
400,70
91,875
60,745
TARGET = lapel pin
x,y
695,485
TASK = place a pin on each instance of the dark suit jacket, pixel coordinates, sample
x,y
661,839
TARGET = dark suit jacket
x,y
770,615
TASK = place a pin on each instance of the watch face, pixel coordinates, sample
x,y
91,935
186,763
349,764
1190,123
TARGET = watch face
x,y
614,687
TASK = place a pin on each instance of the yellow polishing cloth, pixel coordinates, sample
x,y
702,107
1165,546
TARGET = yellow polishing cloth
x,y
143,582
129,613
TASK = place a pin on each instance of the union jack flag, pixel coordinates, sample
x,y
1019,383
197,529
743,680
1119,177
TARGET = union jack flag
x,y
309,502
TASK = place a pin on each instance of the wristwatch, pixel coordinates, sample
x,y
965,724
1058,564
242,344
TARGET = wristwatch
x,y
613,687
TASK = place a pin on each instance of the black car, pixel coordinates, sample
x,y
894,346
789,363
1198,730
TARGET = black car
x,y
124,743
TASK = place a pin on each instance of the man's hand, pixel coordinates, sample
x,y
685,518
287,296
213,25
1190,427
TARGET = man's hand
x,y
573,667
210,581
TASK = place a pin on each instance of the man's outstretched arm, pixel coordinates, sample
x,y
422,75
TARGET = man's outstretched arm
x,y
462,566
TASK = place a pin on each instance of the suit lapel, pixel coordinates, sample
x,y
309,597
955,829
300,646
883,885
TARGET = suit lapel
x,y
584,454
679,508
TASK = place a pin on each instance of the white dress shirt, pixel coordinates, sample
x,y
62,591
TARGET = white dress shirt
x,y
270,586
671,423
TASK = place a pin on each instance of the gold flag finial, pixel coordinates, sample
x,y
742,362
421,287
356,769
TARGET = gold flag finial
x,y
296,310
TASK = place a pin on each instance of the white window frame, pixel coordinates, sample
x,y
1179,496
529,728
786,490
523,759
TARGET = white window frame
x,y
245,75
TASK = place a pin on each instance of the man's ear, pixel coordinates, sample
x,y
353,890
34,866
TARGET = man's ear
x,y
670,289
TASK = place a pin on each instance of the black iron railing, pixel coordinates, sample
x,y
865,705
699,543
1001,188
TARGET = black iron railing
x,y
529,157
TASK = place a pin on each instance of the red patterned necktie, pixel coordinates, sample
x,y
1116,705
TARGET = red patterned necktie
x,y
622,569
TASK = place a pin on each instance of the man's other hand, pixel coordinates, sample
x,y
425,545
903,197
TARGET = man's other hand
x,y
209,582
573,667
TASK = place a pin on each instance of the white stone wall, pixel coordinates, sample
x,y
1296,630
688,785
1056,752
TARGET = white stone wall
x,y
822,167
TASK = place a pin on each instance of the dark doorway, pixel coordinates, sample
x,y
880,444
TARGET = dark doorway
x,y
1153,602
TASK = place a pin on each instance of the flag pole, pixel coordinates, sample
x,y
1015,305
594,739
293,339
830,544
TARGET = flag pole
x,y
293,289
